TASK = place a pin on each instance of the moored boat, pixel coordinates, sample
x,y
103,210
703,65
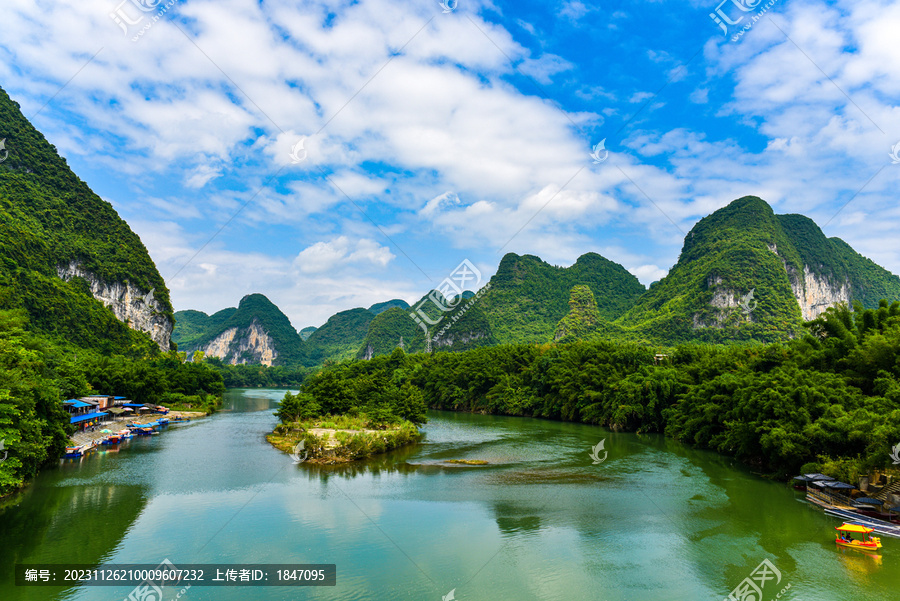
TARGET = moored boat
x,y
74,451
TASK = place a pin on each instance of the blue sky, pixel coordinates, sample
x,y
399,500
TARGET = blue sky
x,y
430,137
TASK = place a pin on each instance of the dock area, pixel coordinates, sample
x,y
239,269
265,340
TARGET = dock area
x,y
95,436
841,506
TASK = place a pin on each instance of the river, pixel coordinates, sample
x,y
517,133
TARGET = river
x,y
654,520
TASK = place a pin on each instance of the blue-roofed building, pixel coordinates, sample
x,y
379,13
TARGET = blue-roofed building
x,y
77,407
88,417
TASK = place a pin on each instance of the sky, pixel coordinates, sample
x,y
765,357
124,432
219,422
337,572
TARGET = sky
x,y
332,155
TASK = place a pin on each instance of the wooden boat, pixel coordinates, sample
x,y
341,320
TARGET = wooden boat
x,y
864,543
111,439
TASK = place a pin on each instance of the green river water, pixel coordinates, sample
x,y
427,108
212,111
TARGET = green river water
x,y
654,521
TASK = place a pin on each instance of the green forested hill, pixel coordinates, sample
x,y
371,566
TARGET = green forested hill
x,y
49,218
743,248
463,326
386,331
528,297
744,274
583,318
56,340
340,337
191,326
381,307
253,307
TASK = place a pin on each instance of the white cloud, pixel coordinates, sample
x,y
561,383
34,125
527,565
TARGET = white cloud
x,y
648,274
326,256
574,9
545,67
438,146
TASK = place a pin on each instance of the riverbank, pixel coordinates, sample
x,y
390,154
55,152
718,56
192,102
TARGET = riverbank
x,y
80,438
331,445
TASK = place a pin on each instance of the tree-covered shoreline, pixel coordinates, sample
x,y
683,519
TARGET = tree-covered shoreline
x,y
829,400
38,372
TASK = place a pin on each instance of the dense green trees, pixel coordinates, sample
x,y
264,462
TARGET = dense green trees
x,y
33,424
37,373
257,376
382,391
830,397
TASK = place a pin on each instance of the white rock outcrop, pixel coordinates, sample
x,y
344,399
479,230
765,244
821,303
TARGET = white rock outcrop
x,y
129,304
815,293
243,345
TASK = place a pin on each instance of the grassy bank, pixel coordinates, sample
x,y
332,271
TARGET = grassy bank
x,y
341,439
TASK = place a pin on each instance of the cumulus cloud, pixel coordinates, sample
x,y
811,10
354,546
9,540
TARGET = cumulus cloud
x,y
410,122
325,256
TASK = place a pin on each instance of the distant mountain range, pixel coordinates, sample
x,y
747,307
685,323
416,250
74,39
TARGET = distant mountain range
x,y
84,277
257,332
744,273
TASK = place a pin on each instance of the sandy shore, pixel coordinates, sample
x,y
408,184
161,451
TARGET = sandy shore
x,y
80,438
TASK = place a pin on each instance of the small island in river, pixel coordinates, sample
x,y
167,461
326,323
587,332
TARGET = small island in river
x,y
359,431
332,440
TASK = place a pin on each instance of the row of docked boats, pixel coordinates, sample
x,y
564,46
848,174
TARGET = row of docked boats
x,y
114,438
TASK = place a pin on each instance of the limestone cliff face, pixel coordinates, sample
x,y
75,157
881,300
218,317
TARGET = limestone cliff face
x,y
729,305
129,304
450,338
815,293
243,345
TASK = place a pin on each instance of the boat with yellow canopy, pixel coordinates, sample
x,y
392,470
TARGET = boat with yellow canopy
x,y
866,542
